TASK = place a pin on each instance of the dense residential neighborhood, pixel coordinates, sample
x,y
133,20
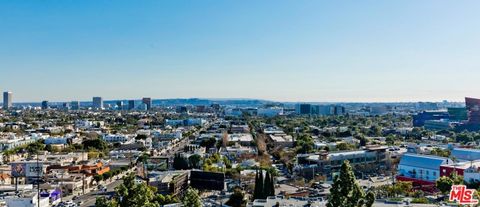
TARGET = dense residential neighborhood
x,y
219,153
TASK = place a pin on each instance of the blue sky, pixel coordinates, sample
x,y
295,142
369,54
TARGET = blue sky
x,y
271,49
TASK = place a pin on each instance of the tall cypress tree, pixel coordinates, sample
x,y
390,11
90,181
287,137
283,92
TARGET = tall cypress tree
x,y
257,191
261,184
272,185
267,185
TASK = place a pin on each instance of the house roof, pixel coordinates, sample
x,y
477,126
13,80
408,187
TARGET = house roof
x,y
4,176
466,154
423,161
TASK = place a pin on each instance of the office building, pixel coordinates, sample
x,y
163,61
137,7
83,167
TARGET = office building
x,y
438,125
142,107
97,102
270,112
182,109
458,114
148,102
44,105
66,106
473,110
119,105
420,118
75,105
426,106
339,110
7,100
131,104
303,109
325,110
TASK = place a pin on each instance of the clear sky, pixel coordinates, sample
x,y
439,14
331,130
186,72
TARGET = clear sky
x,y
291,50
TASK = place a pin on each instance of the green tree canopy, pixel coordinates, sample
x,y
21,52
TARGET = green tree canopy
x,y
237,199
345,190
191,198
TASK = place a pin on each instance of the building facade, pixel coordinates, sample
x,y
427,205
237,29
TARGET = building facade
x,y
97,102
7,100
473,110
422,170
147,102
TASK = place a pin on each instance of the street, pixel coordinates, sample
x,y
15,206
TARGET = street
x,y
89,198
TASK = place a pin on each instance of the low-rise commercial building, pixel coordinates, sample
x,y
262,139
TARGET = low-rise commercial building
x,y
422,170
328,164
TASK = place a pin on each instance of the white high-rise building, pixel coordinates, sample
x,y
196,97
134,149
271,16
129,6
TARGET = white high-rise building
x,y
97,102
7,100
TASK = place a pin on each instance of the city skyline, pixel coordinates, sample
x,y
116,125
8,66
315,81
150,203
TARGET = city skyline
x,y
316,51
98,101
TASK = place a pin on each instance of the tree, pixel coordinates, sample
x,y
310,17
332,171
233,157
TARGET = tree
x,y
107,175
143,158
400,188
191,198
344,146
440,152
237,199
208,143
225,139
304,144
267,185
345,190
456,179
104,202
363,141
258,186
194,161
261,183
444,183
130,194
180,162
370,199
141,137
98,144
33,148
272,185
98,178
164,200
143,196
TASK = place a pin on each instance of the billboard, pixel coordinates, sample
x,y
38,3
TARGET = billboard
x,y
19,169
27,169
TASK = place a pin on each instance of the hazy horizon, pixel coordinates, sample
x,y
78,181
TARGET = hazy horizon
x,y
233,99
295,51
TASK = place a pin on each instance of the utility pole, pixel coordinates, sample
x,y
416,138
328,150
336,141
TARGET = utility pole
x,y
38,181
61,186
83,184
